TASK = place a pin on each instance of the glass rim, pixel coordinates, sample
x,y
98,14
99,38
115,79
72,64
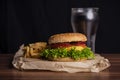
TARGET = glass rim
x,y
85,8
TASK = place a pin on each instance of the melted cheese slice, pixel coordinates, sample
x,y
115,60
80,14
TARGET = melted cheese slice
x,y
76,47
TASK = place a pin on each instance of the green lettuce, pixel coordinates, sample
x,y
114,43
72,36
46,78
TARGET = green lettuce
x,y
63,52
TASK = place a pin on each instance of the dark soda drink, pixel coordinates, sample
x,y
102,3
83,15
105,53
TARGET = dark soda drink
x,y
85,20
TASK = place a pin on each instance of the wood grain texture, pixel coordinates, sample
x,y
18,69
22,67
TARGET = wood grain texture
x,y
7,72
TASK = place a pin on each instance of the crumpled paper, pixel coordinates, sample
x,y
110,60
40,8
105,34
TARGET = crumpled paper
x,y
98,64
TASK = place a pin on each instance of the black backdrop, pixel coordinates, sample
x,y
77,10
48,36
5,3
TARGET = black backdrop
x,y
27,21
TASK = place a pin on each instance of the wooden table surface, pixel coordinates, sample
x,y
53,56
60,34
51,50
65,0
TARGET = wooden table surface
x,y
8,72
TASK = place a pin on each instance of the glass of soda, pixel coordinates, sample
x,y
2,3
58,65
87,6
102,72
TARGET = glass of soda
x,y
85,20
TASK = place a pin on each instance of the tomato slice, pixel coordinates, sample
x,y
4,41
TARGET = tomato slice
x,y
67,44
59,45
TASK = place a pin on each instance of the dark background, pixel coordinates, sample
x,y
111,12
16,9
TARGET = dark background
x,y
27,21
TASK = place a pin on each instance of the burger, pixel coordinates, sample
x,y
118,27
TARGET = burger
x,y
67,47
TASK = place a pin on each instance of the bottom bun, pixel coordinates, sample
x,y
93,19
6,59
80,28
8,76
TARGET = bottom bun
x,y
67,59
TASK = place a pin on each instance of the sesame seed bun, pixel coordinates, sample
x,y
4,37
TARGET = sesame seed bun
x,y
67,37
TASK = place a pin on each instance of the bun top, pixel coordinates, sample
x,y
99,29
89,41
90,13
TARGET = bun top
x,y
67,37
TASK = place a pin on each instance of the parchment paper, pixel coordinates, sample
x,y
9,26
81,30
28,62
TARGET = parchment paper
x,y
98,64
